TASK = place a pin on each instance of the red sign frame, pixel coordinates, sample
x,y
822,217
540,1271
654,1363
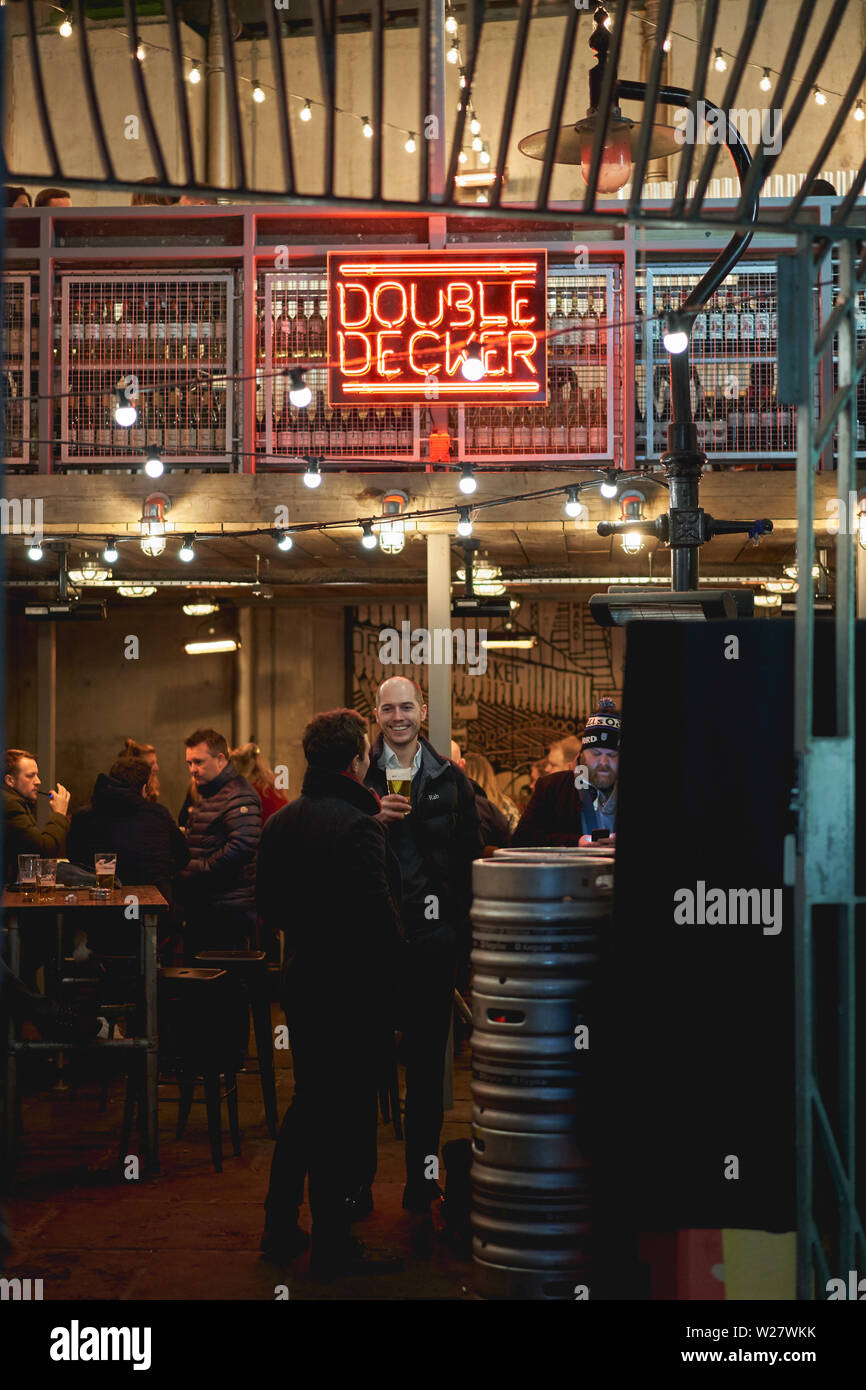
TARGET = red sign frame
x,y
399,327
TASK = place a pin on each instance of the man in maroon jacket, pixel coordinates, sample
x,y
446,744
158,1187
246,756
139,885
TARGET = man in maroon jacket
x,y
566,806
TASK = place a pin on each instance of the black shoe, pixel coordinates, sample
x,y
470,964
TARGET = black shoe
x,y
283,1247
418,1199
352,1258
359,1204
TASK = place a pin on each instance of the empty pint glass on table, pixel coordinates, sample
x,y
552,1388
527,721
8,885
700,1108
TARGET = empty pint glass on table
x,y
46,880
400,781
105,866
28,865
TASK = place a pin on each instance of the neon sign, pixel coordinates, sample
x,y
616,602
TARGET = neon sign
x,y
400,327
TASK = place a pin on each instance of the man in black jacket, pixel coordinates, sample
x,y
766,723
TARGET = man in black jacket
x,y
435,836
21,832
148,844
325,879
566,807
217,889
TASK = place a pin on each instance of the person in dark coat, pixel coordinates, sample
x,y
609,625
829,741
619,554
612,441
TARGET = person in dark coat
x,y
435,836
21,832
566,807
149,846
217,888
326,879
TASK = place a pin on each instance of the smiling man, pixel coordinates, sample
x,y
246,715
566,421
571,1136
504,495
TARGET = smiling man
x,y
567,806
434,834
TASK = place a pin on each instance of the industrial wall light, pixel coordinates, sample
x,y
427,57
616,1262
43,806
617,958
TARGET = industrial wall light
x,y
392,533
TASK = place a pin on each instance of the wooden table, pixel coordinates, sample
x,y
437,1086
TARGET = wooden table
x,y
77,901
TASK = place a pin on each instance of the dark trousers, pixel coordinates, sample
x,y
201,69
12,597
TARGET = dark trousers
x,y
426,992
326,1132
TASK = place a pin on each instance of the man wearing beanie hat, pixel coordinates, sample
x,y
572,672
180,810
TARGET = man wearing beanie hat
x,y
567,806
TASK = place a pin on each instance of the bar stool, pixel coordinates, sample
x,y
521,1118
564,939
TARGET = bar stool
x,y
194,1007
251,968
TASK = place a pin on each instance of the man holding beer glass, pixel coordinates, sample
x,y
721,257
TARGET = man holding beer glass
x,y
428,809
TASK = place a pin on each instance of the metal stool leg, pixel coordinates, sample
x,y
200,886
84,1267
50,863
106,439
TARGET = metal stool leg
x,y
232,1106
214,1118
261,1010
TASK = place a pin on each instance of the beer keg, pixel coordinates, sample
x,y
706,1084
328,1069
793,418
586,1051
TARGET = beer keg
x,y
537,917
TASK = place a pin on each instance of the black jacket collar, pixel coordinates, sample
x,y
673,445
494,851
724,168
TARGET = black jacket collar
x,y
217,783
334,784
432,763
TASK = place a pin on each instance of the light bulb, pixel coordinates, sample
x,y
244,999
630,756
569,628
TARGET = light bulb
x,y
368,539
615,165
312,476
573,506
667,44
140,53
477,143
765,83
65,27
820,99
464,525
675,337
285,542
300,394
468,482
632,542
462,79
110,553
462,157
484,157
153,537
451,23
858,111
410,146
125,413
367,128
720,64
34,552
187,551
475,125
454,52
608,487
472,366
258,92
481,196
307,113
195,74
154,467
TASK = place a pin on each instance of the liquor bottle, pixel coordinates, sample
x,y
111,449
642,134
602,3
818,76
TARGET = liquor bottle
x,y
138,432
769,440
598,314
316,333
389,431
354,436
483,433
551,315
34,330
73,426
141,326
76,333
185,310
732,325
107,330
189,426
336,430
568,337
735,424
260,415
522,433
653,332
639,425
578,433
774,322
720,424
287,326
703,425
580,335
639,326
503,440
299,333
91,330
303,432
747,325
716,327
405,430
125,325
860,318
540,430
172,421
205,327
590,330
220,327
597,423
323,311
369,433
762,326
174,333
205,422
104,428
15,341
87,426
155,428
699,330
319,430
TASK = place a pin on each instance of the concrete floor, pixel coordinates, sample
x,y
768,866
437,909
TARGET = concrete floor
x,y
191,1233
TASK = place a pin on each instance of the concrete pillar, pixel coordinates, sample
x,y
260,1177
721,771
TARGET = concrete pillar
x,y
46,713
439,615
244,713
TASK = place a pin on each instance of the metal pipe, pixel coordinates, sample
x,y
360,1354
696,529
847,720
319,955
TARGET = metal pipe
x,y
219,164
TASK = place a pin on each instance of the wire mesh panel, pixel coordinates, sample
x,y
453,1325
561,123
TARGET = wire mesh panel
x,y
860,331
20,350
733,349
174,336
584,381
292,332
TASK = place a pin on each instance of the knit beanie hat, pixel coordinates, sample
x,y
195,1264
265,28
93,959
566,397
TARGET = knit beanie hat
x,y
603,729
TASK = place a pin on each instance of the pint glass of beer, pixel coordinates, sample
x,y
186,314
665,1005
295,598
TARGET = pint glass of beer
x,y
105,866
28,865
400,781
46,880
